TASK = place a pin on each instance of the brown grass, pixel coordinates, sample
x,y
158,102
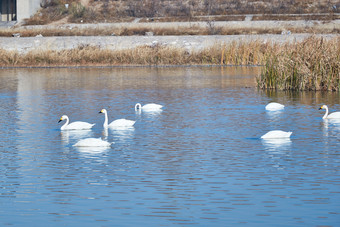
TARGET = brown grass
x,y
208,29
310,17
237,54
178,10
172,11
313,64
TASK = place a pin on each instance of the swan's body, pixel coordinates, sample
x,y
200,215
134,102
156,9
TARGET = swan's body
x,y
120,123
77,125
92,142
148,107
330,116
274,106
276,134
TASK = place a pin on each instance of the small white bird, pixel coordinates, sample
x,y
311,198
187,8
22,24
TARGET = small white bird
x,y
92,142
274,106
276,134
330,116
77,125
117,124
148,107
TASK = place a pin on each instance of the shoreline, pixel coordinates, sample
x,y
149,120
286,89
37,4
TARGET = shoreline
x,y
125,66
289,60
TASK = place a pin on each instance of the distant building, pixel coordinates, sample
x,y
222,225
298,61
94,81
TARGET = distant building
x,y
17,10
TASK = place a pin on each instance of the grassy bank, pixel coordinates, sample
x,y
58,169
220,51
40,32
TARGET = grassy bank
x,y
313,64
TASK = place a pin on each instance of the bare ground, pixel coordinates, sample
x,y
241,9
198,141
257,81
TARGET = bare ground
x,y
191,43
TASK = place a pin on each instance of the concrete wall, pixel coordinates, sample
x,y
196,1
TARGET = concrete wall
x,y
26,8
8,10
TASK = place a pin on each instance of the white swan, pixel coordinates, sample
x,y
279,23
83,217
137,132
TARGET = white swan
x,y
148,107
276,134
120,123
274,106
330,116
77,125
92,142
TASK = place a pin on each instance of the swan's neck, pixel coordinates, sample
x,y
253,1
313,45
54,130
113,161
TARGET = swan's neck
x,y
105,133
138,106
106,120
326,114
66,123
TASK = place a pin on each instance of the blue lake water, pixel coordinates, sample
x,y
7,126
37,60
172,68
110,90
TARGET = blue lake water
x,y
200,162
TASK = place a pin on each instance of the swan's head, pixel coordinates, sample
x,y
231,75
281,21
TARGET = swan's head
x,y
64,117
138,106
323,107
103,111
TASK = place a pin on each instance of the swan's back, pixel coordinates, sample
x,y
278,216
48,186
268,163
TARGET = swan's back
x,y
274,106
79,125
92,142
276,134
334,115
121,123
152,106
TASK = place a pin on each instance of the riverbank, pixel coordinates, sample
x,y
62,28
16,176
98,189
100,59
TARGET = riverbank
x,y
292,62
149,49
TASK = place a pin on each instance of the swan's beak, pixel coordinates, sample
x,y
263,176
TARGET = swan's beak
x,y
320,108
100,112
60,120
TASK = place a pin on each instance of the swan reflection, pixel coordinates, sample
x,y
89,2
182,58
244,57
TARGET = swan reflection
x,y
93,150
149,113
274,115
123,133
66,135
331,126
334,121
105,133
274,144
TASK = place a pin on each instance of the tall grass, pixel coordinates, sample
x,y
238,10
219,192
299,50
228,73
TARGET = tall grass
x,y
235,54
313,64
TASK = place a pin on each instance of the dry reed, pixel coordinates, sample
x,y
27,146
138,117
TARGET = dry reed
x,y
235,54
208,29
313,64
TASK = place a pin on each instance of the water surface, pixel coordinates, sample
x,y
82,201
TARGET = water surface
x,y
199,162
